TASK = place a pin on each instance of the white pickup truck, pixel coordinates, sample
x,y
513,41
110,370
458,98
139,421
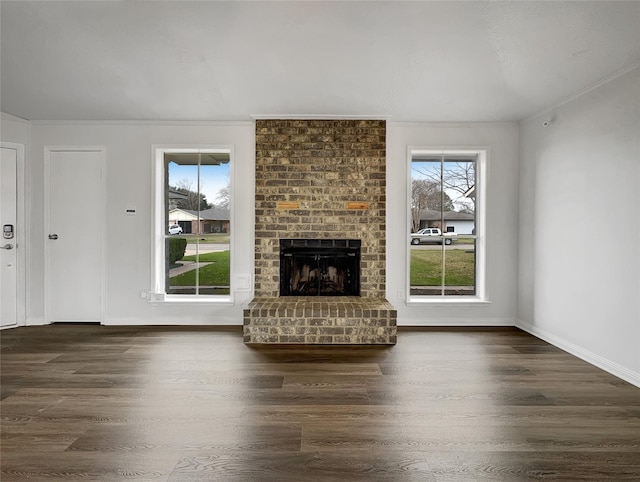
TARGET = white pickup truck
x,y
432,235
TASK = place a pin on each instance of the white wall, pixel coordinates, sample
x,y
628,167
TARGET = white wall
x,y
129,238
128,183
579,250
501,139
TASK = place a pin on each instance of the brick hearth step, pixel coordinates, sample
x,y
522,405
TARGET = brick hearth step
x,y
320,320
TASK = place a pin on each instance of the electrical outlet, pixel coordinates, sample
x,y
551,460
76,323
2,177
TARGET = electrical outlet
x,y
243,282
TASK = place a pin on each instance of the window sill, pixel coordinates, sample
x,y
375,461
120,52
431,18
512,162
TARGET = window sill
x,y
161,299
447,300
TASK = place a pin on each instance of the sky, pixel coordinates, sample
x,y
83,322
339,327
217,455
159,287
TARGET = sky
x,y
212,178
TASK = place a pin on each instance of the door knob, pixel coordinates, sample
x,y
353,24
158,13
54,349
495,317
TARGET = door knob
x,y
53,236
7,246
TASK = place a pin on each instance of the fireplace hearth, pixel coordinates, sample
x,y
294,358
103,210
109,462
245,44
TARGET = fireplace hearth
x,y
320,267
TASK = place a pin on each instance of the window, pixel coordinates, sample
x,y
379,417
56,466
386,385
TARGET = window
x,y
446,261
193,224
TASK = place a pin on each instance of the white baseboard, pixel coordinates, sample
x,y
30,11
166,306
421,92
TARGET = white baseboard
x,y
586,355
37,322
402,321
217,321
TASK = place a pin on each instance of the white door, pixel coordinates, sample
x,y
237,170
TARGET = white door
x,y
75,235
8,238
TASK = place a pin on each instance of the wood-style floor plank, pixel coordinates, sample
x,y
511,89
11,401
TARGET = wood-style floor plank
x,y
85,402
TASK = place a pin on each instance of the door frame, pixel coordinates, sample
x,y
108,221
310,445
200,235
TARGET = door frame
x,y
21,234
48,150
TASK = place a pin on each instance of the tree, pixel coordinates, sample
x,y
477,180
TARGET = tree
x,y
224,197
455,177
194,201
461,177
427,194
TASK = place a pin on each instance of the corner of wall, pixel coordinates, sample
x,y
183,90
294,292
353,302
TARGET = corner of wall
x,y
605,364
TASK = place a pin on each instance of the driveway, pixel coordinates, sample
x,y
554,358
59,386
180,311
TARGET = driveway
x,y
205,248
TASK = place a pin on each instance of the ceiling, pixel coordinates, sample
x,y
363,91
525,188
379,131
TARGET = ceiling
x,y
213,60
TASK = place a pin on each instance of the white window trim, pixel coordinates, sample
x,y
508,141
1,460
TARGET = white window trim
x,y
480,297
157,294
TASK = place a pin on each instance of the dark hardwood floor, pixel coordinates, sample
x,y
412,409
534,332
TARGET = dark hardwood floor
x,y
84,402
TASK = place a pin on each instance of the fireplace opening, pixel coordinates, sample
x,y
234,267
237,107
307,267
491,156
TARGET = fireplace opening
x,y
320,267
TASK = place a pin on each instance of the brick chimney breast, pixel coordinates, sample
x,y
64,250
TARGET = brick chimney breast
x,y
321,179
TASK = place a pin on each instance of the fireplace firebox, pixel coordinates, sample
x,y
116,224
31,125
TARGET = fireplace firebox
x,y
320,267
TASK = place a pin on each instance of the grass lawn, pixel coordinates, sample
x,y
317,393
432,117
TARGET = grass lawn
x,y
214,238
426,267
221,238
463,240
214,274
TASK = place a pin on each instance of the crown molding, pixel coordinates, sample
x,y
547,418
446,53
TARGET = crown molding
x,y
318,117
14,118
144,123
585,90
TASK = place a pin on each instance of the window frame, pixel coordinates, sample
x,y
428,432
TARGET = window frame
x,y
480,296
158,293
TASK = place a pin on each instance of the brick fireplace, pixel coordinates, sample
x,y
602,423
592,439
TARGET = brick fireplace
x,y
320,182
